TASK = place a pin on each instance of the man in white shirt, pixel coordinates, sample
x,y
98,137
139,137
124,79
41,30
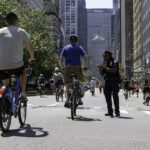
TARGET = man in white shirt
x,y
13,40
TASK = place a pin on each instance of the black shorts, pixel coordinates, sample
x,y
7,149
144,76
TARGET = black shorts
x,y
5,74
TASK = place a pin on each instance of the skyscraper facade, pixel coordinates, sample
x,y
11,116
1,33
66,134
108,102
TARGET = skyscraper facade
x,y
99,36
73,16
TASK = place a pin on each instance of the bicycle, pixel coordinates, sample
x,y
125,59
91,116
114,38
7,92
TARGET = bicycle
x,y
74,95
59,93
12,104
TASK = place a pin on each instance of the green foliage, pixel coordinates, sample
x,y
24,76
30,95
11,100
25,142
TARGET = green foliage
x,y
37,24
121,70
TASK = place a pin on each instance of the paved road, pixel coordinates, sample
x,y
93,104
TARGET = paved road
x,y
49,126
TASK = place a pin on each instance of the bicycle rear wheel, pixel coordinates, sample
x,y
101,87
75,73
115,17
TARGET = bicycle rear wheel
x,y
73,106
57,95
5,116
22,112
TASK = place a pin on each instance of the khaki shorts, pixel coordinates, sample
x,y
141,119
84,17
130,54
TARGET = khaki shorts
x,y
69,69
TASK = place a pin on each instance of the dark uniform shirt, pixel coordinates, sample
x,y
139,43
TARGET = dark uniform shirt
x,y
113,74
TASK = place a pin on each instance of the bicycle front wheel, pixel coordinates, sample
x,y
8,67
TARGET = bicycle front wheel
x,y
5,116
22,112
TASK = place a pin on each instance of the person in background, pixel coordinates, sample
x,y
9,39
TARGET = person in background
x,y
58,78
93,86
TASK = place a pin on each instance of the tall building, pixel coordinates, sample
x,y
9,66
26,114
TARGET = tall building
x,y
99,36
73,16
116,30
146,38
127,36
137,43
82,23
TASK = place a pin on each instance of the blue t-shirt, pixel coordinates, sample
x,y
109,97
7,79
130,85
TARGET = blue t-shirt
x,y
72,54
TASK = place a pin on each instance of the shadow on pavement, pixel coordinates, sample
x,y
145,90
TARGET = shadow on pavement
x,y
121,117
26,131
81,118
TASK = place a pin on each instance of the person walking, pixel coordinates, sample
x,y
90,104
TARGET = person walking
x,y
71,59
93,86
110,71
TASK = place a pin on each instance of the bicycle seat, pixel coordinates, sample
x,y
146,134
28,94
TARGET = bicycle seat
x,y
73,75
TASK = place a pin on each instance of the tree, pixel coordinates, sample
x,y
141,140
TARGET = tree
x,y
36,23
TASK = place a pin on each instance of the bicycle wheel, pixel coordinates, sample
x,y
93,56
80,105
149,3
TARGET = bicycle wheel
x,y
5,116
57,95
22,112
73,107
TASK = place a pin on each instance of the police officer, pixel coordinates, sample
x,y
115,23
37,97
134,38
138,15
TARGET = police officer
x,y
110,71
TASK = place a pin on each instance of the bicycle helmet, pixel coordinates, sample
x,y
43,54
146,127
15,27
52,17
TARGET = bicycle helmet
x,y
93,78
56,69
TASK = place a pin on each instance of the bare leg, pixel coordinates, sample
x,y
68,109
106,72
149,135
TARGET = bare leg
x,y
23,80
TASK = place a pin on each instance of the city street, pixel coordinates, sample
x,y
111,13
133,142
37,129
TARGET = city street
x,y
49,126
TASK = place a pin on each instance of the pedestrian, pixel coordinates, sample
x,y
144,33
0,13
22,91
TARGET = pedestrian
x,y
137,88
100,86
93,86
71,57
110,72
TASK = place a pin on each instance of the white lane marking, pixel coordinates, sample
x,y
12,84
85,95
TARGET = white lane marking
x,y
147,112
29,104
53,104
96,107
123,111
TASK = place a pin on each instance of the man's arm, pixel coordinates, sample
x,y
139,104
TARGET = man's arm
x,y
85,61
109,70
31,52
62,61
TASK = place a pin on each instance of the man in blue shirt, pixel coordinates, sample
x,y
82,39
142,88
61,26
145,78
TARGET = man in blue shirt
x,y
71,57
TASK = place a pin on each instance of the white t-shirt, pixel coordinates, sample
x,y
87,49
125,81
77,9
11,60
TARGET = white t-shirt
x,y
57,76
93,83
12,42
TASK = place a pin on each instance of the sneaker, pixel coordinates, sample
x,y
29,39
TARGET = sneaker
x,y
67,105
109,114
80,102
117,115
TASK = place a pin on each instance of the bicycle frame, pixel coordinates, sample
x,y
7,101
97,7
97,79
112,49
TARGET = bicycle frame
x,y
14,99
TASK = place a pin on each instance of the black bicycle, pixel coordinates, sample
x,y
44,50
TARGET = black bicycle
x,y
74,95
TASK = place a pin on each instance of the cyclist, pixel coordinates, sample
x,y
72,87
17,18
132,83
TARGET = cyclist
x,y
58,78
13,40
71,55
93,86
